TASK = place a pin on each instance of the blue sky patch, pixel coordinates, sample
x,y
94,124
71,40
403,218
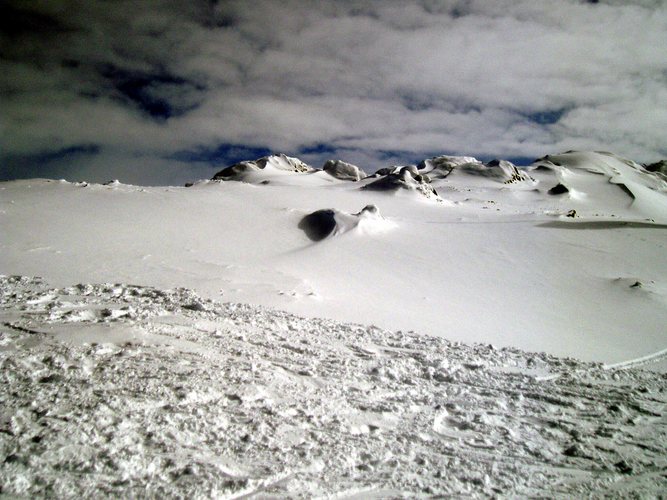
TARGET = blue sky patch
x,y
222,155
548,117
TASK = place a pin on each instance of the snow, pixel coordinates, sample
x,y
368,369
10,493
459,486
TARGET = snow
x,y
200,342
268,166
485,261
330,222
343,170
190,397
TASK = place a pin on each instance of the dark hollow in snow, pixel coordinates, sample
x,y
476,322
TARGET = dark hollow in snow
x,y
558,189
319,224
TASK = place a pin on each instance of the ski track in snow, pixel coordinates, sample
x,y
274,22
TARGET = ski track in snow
x,y
115,390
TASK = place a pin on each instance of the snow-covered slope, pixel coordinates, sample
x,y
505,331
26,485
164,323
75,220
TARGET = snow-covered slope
x,y
487,259
565,257
120,390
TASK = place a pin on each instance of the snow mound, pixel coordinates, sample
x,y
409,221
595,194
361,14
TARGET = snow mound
x,y
497,170
183,397
615,168
504,170
441,167
645,192
321,224
558,189
343,170
272,164
403,178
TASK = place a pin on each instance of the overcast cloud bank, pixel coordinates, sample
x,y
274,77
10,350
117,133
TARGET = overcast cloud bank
x,y
160,92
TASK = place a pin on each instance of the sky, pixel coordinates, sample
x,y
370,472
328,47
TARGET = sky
x,y
163,92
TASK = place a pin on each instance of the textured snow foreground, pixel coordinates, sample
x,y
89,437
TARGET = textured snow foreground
x,y
120,390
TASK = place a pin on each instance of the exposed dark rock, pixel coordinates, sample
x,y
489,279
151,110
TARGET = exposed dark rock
x,y
507,170
659,167
577,450
319,224
236,170
439,167
343,170
624,467
279,161
384,171
406,178
559,189
543,168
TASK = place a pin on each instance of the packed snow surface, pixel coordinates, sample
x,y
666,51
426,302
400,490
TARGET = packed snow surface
x,y
216,340
120,390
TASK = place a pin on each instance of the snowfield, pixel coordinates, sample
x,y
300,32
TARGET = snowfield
x,y
451,328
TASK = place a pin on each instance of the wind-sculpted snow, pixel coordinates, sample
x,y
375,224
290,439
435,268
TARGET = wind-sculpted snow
x,y
323,223
645,190
274,163
617,170
441,167
343,170
403,178
119,390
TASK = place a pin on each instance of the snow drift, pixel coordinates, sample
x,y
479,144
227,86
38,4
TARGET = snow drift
x,y
402,178
270,164
440,167
329,222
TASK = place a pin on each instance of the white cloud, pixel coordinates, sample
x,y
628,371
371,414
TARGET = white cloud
x,y
364,77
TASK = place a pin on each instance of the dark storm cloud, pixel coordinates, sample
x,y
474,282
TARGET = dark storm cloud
x,y
158,86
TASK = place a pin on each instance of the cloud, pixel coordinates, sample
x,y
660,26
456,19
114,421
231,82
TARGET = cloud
x,y
367,80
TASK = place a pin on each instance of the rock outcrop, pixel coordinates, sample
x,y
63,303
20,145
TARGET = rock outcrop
x,y
278,162
343,170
